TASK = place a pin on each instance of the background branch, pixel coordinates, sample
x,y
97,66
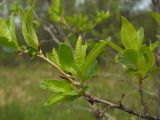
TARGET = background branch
x,y
48,29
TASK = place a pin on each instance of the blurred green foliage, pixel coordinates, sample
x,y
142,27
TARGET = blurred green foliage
x,y
84,11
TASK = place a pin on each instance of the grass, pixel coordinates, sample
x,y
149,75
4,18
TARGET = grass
x,y
21,97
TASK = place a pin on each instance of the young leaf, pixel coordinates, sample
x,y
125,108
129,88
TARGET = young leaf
x,y
55,10
80,22
141,65
60,97
29,33
131,55
59,86
121,59
83,56
101,16
7,33
92,69
54,99
154,45
4,28
66,59
63,91
149,57
53,57
145,61
140,34
12,30
50,56
129,35
78,50
93,54
80,53
129,58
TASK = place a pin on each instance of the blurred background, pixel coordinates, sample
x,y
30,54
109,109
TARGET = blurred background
x,y
21,97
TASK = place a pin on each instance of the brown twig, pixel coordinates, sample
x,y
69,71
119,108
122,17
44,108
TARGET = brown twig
x,y
120,107
145,108
120,102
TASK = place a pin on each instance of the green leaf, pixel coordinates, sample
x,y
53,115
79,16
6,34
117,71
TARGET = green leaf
x,y
55,10
92,69
131,55
149,57
83,55
55,99
28,30
66,59
145,61
154,45
101,16
121,59
59,86
140,33
77,55
62,89
129,58
141,65
4,31
129,36
156,16
72,39
12,30
80,53
80,22
7,33
93,54
53,57
50,56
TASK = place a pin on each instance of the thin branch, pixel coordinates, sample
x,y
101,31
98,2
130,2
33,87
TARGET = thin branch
x,y
120,107
45,41
145,108
120,102
60,31
46,28
130,82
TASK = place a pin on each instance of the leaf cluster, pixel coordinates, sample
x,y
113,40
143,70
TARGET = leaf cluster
x,y
79,64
